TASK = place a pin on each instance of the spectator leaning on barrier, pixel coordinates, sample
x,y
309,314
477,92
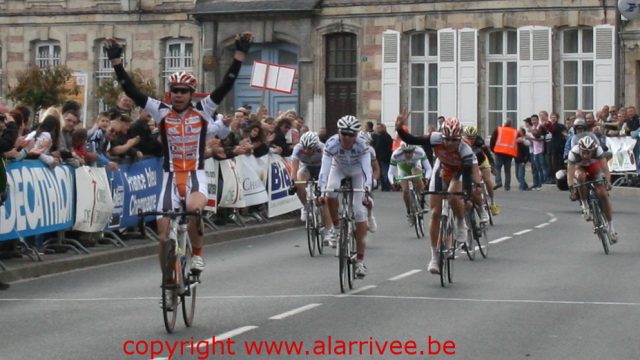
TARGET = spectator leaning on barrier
x,y
280,144
183,161
558,135
46,138
8,135
632,128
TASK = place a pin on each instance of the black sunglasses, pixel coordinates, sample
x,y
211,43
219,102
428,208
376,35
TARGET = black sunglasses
x,y
347,134
451,139
180,90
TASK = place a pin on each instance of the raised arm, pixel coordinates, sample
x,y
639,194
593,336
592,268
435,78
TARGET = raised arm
x,y
407,137
114,53
243,43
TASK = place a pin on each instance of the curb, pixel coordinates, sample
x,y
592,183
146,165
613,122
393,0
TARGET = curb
x,y
100,257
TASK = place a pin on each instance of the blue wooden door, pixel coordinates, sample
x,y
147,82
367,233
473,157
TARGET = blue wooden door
x,y
274,53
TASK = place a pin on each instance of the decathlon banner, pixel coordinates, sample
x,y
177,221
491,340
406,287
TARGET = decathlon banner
x,y
254,191
134,186
211,168
93,199
623,159
232,193
280,202
40,199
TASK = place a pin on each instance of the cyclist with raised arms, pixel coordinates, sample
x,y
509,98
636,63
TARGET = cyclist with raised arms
x,y
485,163
306,160
347,155
409,160
184,128
455,169
586,162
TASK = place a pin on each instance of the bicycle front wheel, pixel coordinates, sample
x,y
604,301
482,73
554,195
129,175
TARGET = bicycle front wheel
x,y
311,231
170,291
188,298
351,261
318,226
472,232
600,225
343,256
417,214
443,253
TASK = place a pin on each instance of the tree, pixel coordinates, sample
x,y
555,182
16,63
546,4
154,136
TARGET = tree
x,y
109,90
41,88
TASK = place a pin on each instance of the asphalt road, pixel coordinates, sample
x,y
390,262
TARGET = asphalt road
x,y
546,293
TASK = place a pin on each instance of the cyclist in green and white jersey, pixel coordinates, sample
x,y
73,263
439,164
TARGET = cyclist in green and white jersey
x,y
409,160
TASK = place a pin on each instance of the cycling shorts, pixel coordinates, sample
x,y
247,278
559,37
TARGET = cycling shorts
x,y
308,172
485,164
189,182
442,177
336,174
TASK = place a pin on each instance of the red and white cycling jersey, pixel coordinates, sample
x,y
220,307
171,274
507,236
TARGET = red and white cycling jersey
x,y
184,134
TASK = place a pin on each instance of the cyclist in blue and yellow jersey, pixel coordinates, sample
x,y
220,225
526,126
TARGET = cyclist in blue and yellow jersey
x,y
184,128
485,163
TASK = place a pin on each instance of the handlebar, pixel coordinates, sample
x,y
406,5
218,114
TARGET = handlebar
x,y
445,193
409,177
586,183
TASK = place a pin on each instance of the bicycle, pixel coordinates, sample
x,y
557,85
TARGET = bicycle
x,y
600,223
485,202
347,238
178,265
313,220
447,243
477,230
416,209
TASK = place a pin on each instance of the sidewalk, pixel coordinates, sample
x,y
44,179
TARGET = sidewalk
x,y
24,268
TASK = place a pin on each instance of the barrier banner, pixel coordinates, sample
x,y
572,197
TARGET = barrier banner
x,y
232,194
212,168
263,169
40,199
254,191
623,159
135,186
280,202
93,199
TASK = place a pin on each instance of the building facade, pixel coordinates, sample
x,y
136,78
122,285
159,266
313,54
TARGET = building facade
x,y
481,61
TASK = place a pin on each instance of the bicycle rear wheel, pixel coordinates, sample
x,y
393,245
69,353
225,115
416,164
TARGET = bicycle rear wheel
x,y
317,228
485,204
352,256
483,241
600,225
311,230
469,245
451,253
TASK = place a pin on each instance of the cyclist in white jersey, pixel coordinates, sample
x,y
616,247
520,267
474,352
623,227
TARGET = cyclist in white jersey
x,y
409,160
347,155
306,160
586,162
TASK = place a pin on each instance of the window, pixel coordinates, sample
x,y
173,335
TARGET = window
x,y
47,54
104,70
577,71
178,57
502,77
341,57
423,75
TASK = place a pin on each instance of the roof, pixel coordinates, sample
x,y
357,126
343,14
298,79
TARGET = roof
x,y
213,7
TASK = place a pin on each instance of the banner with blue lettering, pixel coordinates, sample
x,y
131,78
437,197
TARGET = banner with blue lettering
x,y
40,199
134,186
280,202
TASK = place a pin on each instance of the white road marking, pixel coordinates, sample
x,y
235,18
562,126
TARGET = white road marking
x,y
223,336
294,311
541,225
552,220
408,273
522,232
499,240
356,291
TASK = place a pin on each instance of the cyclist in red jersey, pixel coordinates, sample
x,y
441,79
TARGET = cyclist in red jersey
x,y
184,128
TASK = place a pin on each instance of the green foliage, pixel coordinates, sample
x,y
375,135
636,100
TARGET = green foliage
x,y
109,90
41,88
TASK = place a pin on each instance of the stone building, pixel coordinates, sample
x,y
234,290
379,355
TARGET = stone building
x,y
482,61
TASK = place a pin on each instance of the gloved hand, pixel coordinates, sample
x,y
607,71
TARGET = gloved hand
x,y
243,42
608,185
113,49
292,190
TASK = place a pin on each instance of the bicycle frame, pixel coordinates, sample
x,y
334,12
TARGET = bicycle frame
x,y
600,222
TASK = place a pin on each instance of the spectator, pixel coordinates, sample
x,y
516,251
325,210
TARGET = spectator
x,y
124,106
545,122
539,167
558,133
280,144
252,131
70,121
26,115
501,159
632,128
323,135
8,136
46,137
79,146
74,107
522,159
382,142
148,144
370,127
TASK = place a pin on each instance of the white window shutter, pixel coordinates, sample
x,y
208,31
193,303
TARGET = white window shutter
x,y
468,76
447,73
604,65
535,91
390,104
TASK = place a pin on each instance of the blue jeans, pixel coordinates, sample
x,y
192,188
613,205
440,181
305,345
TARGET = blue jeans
x,y
539,170
521,171
384,169
500,162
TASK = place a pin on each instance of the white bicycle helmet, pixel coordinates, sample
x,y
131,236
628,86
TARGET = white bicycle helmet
x,y
586,143
309,140
349,124
406,147
366,136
